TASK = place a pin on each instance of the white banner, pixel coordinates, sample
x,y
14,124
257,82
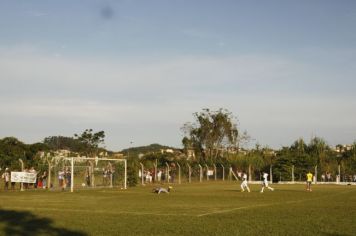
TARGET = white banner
x,y
210,172
23,177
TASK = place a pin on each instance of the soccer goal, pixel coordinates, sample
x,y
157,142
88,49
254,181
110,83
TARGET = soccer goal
x,y
82,172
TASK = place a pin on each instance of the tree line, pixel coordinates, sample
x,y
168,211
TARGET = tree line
x,y
12,149
213,137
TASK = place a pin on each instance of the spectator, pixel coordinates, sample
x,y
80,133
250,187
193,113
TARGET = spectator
x,y
328,177
239,174
44,179
33,171
68,176
323,178
148,177
61,179
105,176
113,175
172,173
25,185
87,177
13,185
39,182
6,177
159,175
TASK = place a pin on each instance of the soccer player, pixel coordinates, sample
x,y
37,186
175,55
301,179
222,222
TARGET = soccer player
x,y
265,183
244,183
309,181
162,190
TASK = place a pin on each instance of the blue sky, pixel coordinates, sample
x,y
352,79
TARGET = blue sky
x,y
139,69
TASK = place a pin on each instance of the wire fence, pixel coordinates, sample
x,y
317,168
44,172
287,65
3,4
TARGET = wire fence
x,y
88,174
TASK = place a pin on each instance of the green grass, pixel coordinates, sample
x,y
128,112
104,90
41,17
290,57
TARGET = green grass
x,y
214,208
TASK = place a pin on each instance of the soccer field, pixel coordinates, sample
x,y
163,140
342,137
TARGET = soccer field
x,y
214,208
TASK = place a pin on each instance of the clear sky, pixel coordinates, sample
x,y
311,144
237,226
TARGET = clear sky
x,y
139,69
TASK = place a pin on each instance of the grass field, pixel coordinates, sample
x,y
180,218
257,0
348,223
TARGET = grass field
x,y
214,208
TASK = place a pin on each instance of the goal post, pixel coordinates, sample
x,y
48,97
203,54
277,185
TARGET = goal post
x,y
94,172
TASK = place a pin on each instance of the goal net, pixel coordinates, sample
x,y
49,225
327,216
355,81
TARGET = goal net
x,y
84,173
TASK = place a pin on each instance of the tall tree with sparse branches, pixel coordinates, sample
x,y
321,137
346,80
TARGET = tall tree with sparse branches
x,y
211,133
91,141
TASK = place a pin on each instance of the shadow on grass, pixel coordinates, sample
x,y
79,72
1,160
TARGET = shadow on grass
x,y
334,234
26,223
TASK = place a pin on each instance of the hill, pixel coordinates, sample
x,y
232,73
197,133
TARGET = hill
x,y
152,148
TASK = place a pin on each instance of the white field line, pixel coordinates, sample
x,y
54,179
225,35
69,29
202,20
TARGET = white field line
x,y
168,214
269,204
235,209
149,213
253,206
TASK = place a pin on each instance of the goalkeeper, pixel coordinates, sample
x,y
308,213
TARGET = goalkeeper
x,y
309,181
159,190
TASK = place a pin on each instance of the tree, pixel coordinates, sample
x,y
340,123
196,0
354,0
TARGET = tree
x,y
211,132
91,141
268,155
242,139
299,154
352,155
282,167
299,147
187,144
255,161
61,142
318,149
11,149
346,158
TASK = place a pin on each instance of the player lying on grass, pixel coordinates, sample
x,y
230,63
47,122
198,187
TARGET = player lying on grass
x,y
159,190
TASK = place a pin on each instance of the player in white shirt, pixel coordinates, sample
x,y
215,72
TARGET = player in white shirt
x,y
265,183
244,183
159,190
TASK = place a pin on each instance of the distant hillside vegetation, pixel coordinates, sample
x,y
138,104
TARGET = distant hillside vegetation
x,y
153,148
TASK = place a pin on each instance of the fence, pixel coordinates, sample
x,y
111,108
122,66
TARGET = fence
x,y
84,173
75,173
175,172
